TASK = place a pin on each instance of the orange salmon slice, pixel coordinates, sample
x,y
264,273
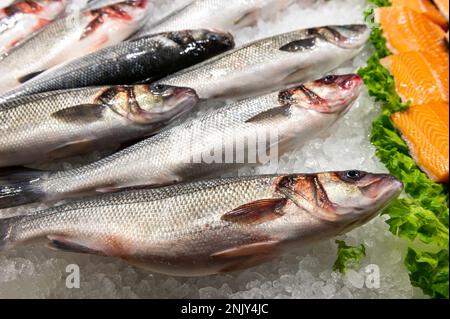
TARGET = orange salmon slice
x,y
426,7
443,6
426,130
419,77
406,30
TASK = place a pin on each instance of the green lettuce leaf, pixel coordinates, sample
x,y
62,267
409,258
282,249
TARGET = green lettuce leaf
x,y
349,257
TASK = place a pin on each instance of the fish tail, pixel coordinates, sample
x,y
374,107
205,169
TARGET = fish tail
x,y
20,187
6,231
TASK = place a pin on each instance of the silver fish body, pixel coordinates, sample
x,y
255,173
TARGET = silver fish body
x,y
142,60
223,15
212,226
21,19
273,63
179,154
68,38
61,124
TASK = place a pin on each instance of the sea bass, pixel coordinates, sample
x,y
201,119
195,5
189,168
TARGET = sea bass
x,y
212,226
274,63
180,154
62,124
228,15
142,60
21,19
74,36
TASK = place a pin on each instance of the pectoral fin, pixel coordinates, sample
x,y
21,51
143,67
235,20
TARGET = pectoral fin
x,y
29,76
73,149
299,45
281,112
249,19
260,248
84,113
257,212
295,76
61,243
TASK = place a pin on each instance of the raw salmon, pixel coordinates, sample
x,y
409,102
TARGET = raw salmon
x,y
443,6
426,7
407,30
426,129
419,76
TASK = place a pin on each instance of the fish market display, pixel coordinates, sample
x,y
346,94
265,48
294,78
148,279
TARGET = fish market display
x,y
295,115
407,30
224,15
144,59
419,77
21,19
426,129
423,6
71,37
61,124
213,226
273,63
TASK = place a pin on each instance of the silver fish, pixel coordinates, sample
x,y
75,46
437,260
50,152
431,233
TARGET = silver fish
x,y
228,15
273,63
21,19
213,226
142,60
179,154
67,123
65,39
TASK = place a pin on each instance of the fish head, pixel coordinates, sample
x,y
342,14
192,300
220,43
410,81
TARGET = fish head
x,y
353,36
202,40
346,199
149,104
333,94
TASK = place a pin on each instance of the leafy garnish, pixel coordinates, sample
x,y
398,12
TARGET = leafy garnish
x,y
424,215
349,257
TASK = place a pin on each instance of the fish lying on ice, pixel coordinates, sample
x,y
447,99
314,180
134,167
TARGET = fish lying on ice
x,y
74,36
212,226
228,15
290,117
145,59
21,19
52,126
274,63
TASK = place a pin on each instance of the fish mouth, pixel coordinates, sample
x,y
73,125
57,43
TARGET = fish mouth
x,y
226,38
346,36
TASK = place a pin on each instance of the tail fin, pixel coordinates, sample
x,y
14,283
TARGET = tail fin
x,y
20,187
6,229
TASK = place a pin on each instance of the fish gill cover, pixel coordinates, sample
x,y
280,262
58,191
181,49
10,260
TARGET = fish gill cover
x,y
422,218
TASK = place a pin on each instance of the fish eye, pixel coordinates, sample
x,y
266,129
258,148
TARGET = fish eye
x,y
159,88
213,37
329,79
352,176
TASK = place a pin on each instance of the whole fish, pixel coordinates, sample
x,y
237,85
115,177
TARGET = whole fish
x,y
228,15
65,39
145,59
179,154
273,63
21,19
74,122
213,226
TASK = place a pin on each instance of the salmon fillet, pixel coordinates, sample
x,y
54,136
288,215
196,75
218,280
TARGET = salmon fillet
x,y
419,77
443,6
406,30
426,130
426,7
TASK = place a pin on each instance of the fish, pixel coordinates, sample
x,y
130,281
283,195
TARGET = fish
x,y
426,7
142,60
230,15
273,63
73,122
406,30
419,77
277,123
21,19
209,227
425,128
73,36
443,6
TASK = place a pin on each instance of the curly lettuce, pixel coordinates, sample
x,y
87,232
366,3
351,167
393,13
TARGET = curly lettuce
x,y
349,257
